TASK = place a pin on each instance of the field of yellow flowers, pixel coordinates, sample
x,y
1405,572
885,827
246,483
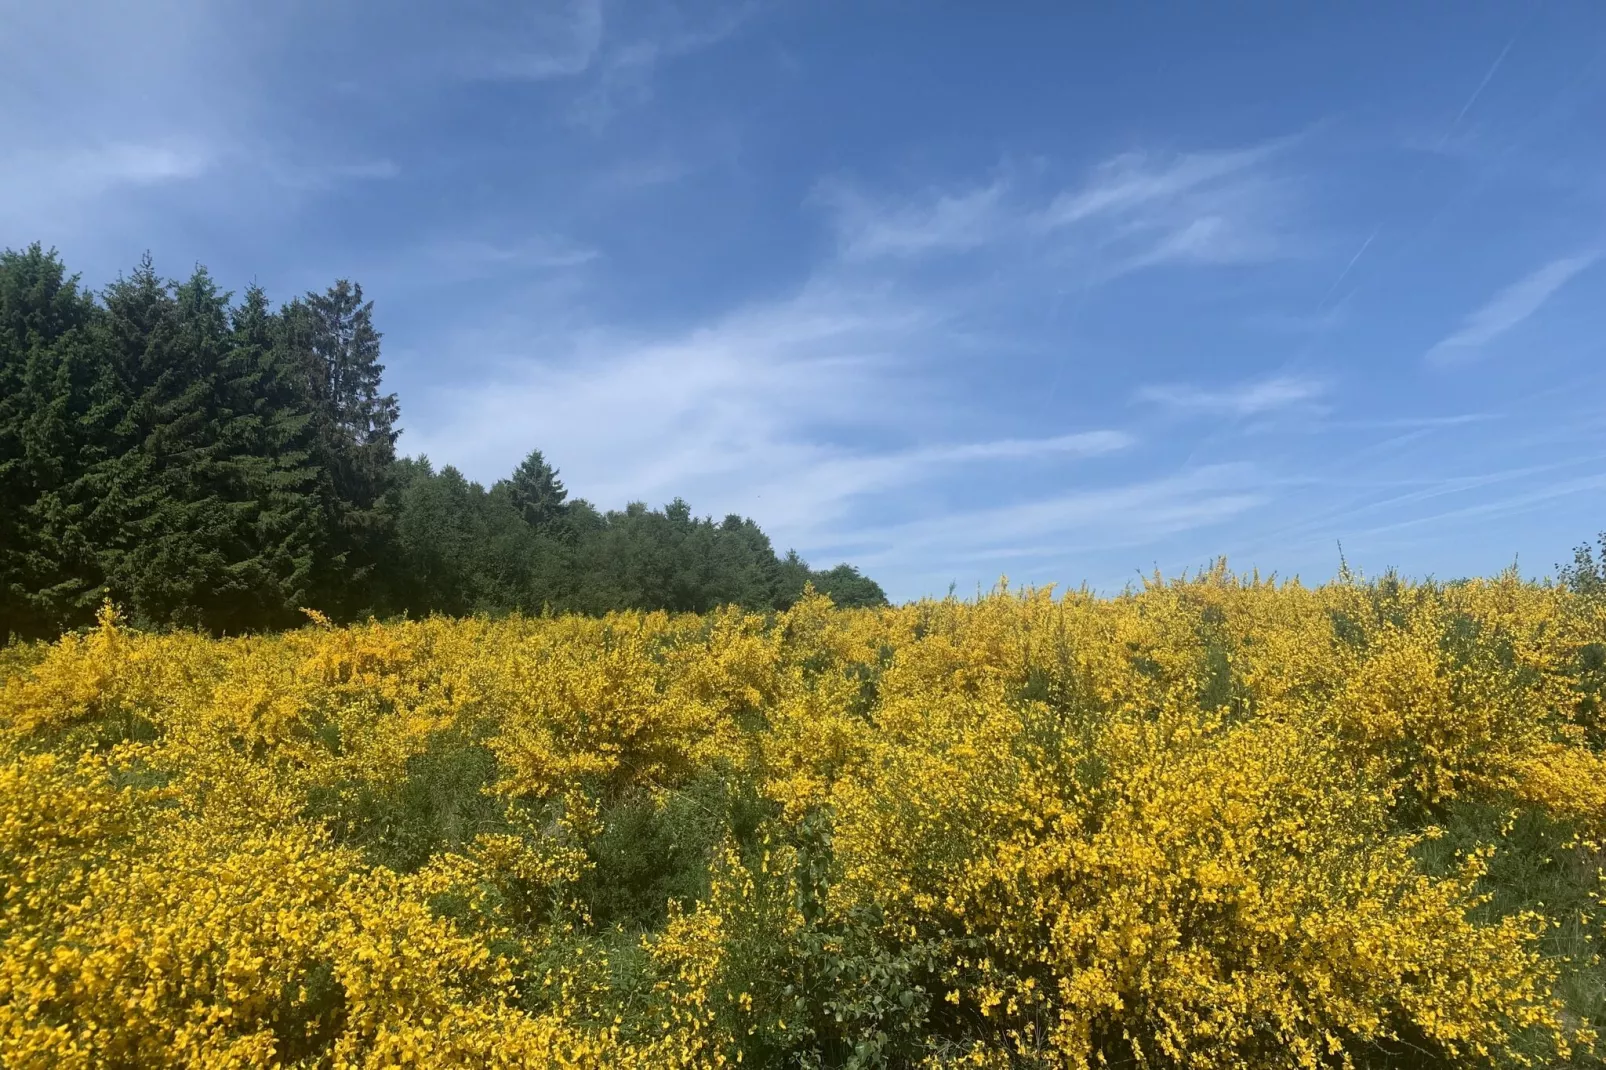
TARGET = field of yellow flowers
x,y
1215,822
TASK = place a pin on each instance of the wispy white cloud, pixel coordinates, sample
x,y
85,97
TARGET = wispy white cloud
x,y
51,186
137,164
90,170
751,413
622,73
936,221
747,415
220,84
779,408
1132,183
715,412
1525,500
110,107
518,42
1081,444
1131,514
1256,398
1508,308
457,258
1133,211
1228,207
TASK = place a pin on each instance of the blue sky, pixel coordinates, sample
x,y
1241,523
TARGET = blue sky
x,y
947,292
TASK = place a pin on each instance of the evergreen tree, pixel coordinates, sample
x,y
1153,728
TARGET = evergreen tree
x,y
525,566
461,549
848,588
52,430
271,452
536,492
792,574
331,338
650,559
219,466
215,511
435,535
177,511
347,380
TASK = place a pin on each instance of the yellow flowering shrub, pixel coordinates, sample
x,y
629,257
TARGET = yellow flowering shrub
x,y
1216,822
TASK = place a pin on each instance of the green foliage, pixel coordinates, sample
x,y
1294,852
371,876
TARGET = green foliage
x,y
1586,572
846,587
654,850
440,806
57,411
1539,864
535,491
217,465
329,342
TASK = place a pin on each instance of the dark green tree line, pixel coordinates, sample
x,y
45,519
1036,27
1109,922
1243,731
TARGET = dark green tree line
x,y
220,465
459,548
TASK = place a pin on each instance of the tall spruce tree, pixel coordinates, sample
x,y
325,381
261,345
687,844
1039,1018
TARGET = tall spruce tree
x,y
537,493
293,492
173,518
269,437
53,430
332,337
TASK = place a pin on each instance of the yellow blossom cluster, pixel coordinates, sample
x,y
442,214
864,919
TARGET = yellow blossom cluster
x,y
1194,825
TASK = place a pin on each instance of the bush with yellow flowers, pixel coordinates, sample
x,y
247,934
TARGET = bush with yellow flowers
x,y
1216,822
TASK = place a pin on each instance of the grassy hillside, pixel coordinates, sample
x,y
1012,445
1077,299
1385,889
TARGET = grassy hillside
x,y
1213,823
